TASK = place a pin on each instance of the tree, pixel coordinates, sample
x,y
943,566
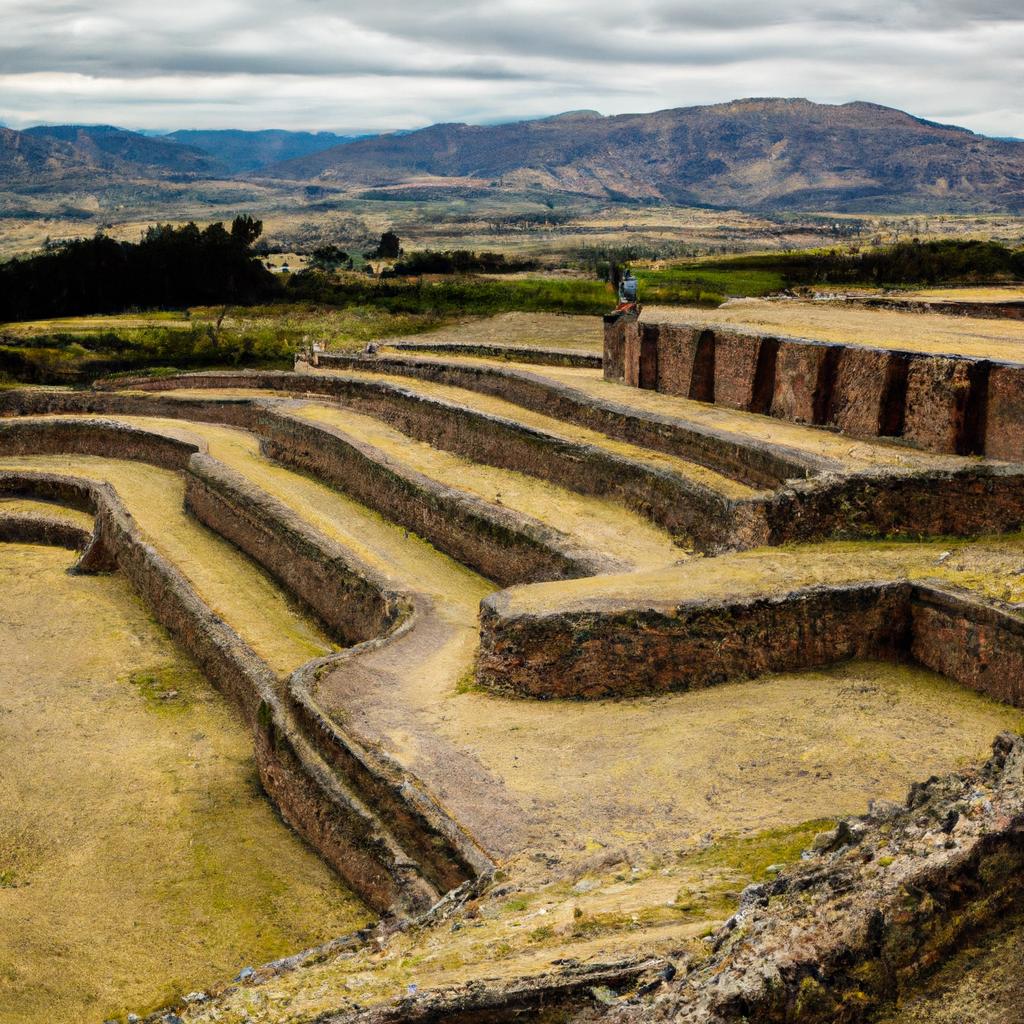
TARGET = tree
x,y
329,256
388,248
245,230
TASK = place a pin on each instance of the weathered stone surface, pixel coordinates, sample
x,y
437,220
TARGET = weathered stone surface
x,y
677,347
849,930
594,653
617,651
860,391
937,393
1004,433
736,356
631,354
613,360
798,379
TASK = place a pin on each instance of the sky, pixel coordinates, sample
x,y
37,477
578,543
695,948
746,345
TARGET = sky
x,y
381,65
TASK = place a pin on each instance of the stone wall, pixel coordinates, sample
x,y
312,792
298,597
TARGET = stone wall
x,y
57,436
369,825
744,459
941,403
350,598
684,507
501,544
618,650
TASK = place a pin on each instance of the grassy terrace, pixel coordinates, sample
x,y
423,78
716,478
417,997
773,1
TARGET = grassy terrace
x,y
620,826
138,858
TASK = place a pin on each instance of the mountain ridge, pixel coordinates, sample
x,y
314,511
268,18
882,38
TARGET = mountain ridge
x,y
753,153
756,153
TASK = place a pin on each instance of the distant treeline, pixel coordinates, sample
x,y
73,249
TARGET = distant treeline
x,y
170,268
458,261
913,262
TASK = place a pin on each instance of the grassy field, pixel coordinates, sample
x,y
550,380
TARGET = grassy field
x,y
79,349
139,859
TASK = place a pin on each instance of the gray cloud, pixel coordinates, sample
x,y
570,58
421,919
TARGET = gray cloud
x,y
405,63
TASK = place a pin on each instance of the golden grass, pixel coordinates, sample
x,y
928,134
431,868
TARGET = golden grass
x,y
138,857
559,428
233,586
594,524
989,566
45,510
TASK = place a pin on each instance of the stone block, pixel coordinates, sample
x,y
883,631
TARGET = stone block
x,y
938,389
1004,431
736,356
859,391
799,369
677,347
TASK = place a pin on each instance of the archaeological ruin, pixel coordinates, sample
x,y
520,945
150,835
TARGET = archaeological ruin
x,y
672,673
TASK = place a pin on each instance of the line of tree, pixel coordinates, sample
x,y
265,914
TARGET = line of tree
x,y
171,267
458,261
913,262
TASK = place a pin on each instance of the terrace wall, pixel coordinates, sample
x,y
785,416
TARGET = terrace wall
x,y
942,403
625,651
397,849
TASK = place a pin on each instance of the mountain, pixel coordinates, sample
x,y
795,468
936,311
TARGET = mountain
x,y
239,152
60,151
748,154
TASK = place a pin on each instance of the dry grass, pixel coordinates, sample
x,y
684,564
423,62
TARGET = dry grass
x,y
1007,293
138,857
593,524
990,566
233,586
560,428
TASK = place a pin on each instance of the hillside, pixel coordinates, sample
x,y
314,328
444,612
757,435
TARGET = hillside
x,y
757,155
238,152
751,154
60,151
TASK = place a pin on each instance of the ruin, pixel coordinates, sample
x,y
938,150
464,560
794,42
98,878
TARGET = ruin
x,y
508,557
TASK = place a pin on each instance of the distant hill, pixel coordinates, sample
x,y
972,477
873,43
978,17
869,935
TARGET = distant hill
x,y
754,154
239,152
748,154
56,152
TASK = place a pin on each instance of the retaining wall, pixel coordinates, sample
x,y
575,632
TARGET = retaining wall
x,y
942,403
501,544
744,459
624,651
108,439
510,548
348,596
21,528
398,850
682,506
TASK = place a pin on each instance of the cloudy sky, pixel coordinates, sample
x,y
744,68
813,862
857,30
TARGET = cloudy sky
x,y
386,64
